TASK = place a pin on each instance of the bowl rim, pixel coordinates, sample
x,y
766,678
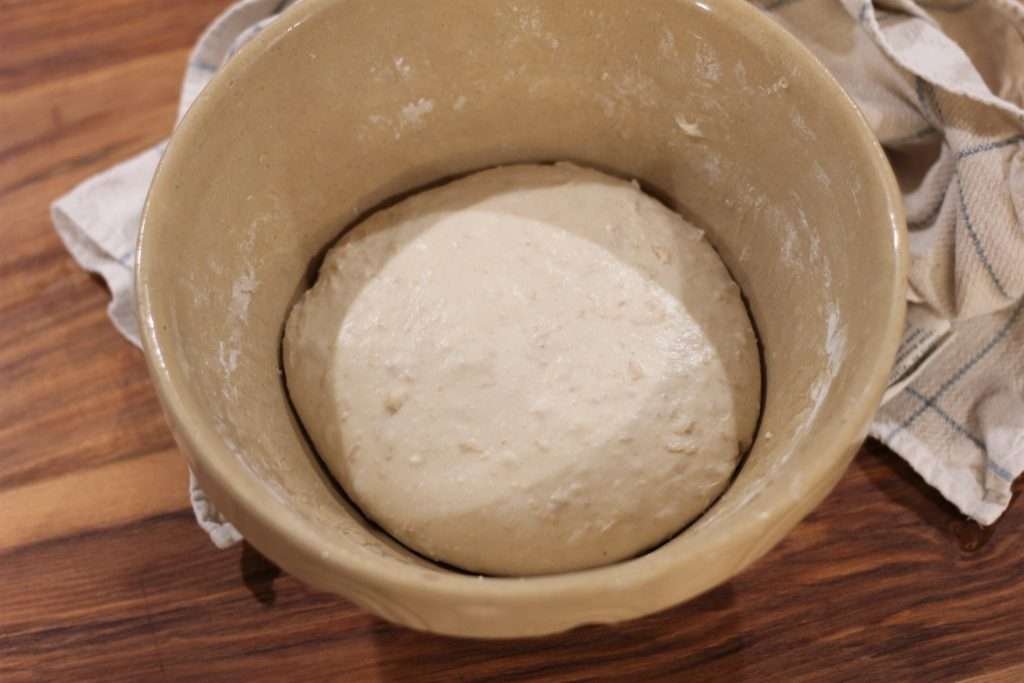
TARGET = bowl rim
x,y
293,535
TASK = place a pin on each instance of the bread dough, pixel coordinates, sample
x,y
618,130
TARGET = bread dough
x,y
533,369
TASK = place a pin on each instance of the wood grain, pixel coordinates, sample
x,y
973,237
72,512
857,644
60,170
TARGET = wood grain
x,y
104,575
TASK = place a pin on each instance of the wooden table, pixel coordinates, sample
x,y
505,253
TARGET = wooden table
x,y
104,575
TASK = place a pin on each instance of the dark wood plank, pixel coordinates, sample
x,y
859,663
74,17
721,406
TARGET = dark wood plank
x,y
104,575
49,40
58,351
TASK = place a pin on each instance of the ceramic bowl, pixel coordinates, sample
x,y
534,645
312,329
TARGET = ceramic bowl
x,y
341,105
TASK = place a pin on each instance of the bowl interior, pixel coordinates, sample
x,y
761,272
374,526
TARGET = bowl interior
x,y
342,105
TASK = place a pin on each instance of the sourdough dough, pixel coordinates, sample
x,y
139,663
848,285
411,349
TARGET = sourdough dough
x,y
532,369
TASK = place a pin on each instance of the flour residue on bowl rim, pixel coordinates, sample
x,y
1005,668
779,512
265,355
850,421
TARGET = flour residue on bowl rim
x,y
242,290
798,254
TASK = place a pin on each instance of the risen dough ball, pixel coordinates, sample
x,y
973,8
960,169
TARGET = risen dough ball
x,y
533,369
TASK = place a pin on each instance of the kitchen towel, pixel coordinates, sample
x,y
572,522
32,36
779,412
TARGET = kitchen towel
x,y
941,82
942,85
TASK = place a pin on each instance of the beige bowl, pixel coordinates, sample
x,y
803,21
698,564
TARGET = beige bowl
x,y
342,104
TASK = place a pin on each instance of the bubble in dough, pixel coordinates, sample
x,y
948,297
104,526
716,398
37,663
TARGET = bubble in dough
x,y
533,369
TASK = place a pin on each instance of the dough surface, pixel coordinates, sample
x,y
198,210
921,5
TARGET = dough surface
x,y
532,369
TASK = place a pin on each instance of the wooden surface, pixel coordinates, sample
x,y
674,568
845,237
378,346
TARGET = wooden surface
x,y
104,575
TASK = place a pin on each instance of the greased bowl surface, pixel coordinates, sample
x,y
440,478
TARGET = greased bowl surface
x,y
341,105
